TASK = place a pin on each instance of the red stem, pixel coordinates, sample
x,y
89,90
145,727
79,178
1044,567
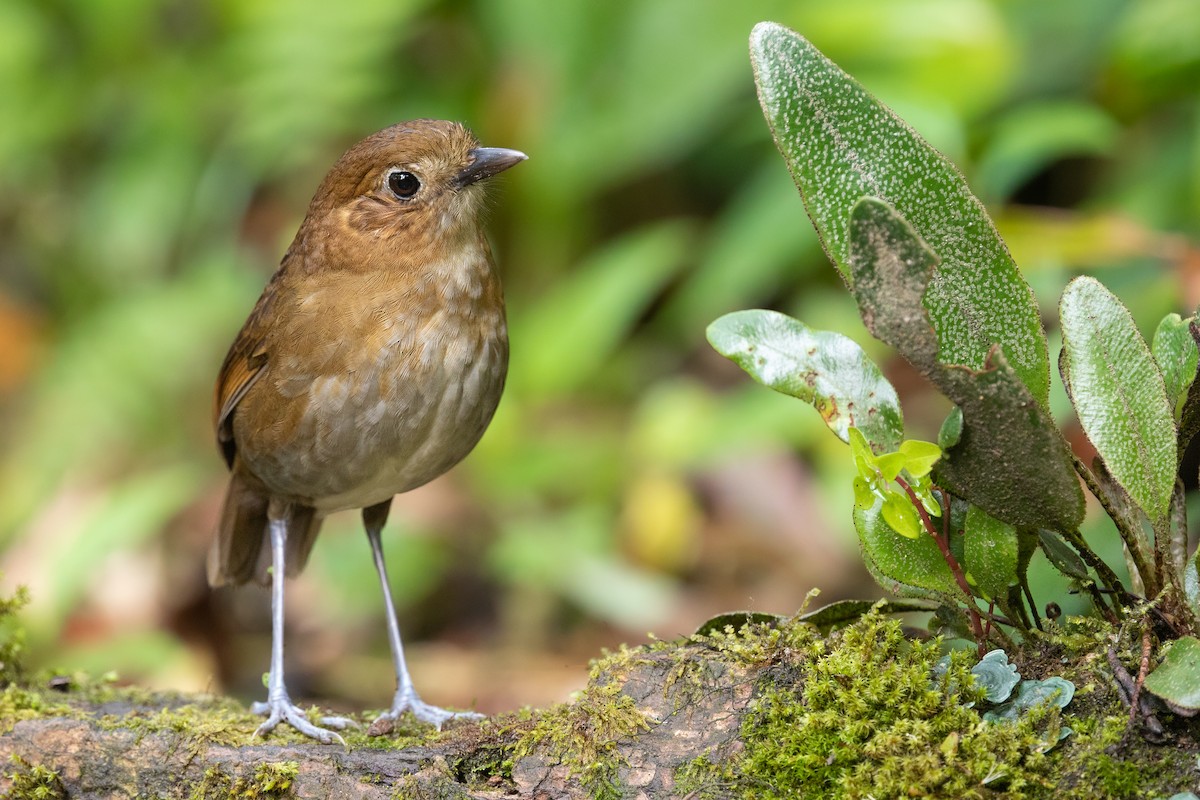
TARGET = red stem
x,y
955,568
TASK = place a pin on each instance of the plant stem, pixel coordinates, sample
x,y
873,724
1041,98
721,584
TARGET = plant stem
x,y
956,569
1133,537
1037,620
1104,572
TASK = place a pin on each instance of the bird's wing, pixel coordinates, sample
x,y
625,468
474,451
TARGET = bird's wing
x,y
243,366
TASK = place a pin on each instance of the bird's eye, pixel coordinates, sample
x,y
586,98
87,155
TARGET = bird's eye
x,y
403,184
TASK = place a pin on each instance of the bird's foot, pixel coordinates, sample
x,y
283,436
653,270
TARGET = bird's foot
x,y
409,701
283,710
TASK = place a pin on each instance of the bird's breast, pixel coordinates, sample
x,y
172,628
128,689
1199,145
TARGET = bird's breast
x,y
409,382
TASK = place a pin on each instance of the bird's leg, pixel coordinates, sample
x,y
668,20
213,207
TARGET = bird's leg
x,y
279,707
406,697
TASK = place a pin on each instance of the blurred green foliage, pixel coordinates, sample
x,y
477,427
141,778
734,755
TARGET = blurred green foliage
x,y
156,157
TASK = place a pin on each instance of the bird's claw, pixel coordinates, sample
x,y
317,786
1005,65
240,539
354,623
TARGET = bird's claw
x,y
285,711
434,715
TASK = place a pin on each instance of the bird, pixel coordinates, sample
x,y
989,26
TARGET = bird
x,y
371,364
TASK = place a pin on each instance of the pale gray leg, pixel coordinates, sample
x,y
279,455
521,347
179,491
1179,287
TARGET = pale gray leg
x,y
279,707
406,696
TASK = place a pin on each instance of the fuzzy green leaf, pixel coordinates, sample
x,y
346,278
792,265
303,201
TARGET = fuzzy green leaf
x,y
822,368
1010,458
1118,394
1177,356
990,553
840,144
864,495
910,567
951,430
1064,559
1177,678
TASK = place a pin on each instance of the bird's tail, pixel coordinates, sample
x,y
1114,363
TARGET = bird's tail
x,y
242,550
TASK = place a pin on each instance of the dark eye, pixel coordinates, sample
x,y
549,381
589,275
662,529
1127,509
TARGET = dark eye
x,y
403,184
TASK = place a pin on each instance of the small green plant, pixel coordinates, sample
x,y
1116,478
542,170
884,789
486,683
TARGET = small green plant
x,y
958,522
34,782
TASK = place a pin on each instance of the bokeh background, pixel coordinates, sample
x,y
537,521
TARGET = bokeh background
x,y
156,156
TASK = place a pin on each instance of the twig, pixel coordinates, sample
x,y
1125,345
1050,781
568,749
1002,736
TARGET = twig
x,y
1126,689
1143,671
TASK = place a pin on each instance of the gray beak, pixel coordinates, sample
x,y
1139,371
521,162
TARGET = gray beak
x,y
486,162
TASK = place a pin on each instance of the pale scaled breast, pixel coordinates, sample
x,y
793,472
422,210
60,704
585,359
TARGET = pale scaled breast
x,y
413,420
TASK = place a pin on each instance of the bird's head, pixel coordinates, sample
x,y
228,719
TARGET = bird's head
x,y
420,180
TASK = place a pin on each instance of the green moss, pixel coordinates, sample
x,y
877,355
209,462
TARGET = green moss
x,y
273,780
18,703
863,718
269,780
1117,778
406,732
858,715
760,644
853,715
213,785
869,721
223,721
705,779
34,782
483,762
584,735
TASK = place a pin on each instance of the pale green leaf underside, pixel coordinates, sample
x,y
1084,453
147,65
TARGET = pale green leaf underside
x,y
1118,394
1191,582
822,368
840,144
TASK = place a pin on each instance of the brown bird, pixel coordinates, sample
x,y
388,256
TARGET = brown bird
x,y
371,364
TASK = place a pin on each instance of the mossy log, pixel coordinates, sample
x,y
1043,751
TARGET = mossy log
x,y
767,711
632,722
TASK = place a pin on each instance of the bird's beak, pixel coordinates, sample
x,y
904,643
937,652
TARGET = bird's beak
x,y
486,162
